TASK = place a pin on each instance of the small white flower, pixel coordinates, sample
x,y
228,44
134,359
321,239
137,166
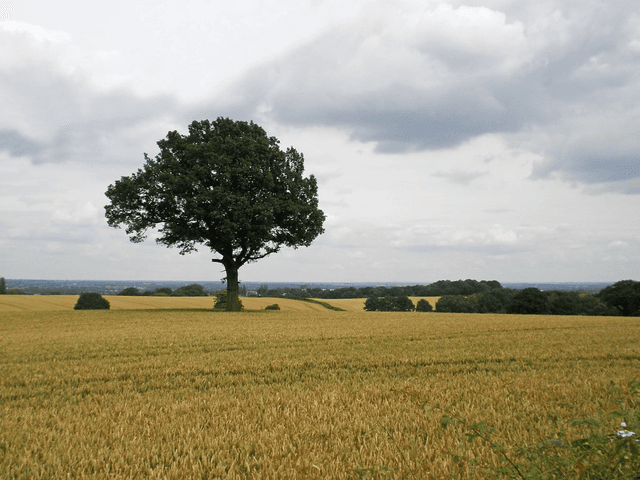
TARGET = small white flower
x,y
623,424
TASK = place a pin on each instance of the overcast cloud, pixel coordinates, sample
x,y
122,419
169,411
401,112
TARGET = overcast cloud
x,y
453,139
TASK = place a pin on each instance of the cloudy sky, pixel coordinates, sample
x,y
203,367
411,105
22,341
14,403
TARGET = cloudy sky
x,y
485,139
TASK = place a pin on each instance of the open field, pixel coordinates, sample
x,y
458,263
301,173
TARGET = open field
x,y
42,303
20,303
307,393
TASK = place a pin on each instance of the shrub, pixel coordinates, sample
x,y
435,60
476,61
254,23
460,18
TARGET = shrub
x,y
275,306
221,301
423,306
92,301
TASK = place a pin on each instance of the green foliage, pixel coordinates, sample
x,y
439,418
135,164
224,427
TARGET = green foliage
x,y
193,290
222,302
226,185
574,303
530,301
527,301
423,306
130,292
3,286
91,301
457,304
163,291
495,301
389,304
624,296
275,306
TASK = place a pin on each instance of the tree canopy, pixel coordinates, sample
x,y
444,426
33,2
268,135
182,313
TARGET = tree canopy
x,y
226,185
624,296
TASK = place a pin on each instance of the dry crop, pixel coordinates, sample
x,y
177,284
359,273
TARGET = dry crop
x,y
307,393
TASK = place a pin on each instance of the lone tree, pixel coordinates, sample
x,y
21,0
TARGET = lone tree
x,y
225,185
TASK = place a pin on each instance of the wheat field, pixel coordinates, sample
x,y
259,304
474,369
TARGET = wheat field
x,y
21,303
178,391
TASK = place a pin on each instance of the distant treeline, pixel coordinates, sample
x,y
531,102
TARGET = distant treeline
x,y
527,301
193,290
621,298
436,289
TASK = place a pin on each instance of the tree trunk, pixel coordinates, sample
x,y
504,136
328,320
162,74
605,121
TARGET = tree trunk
x,y
233,302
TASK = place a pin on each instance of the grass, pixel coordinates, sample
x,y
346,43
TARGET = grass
x,y
304,392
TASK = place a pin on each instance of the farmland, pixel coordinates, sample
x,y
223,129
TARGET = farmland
x,y
165,388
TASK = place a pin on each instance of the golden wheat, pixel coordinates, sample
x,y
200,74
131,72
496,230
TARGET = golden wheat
x,y
310,393
41,303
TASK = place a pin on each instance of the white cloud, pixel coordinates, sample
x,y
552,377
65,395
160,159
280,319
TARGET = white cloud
x,y
84,214
560,78
618,244
459,176
52,112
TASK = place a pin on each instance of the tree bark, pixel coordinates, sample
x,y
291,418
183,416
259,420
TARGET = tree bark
x,y
233,302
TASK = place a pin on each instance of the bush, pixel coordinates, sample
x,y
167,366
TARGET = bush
x,y
92,301
389,304
275,306
423,306
221,302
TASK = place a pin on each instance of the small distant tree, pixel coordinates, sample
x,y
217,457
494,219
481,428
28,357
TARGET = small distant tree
x,y
3,286
130,292
423,306
91,301
163,291
193,290
275,306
